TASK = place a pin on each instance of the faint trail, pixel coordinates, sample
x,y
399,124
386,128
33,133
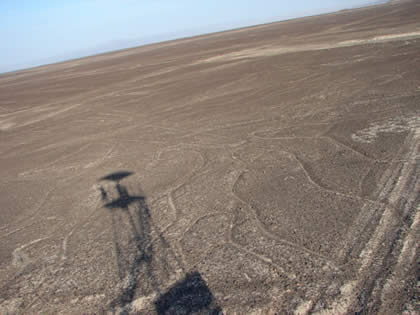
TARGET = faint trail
x,y
169,193
38,208
95,206
30,215
30,244
261,226
258,256
174,209
182,181
237,124
47,116
203,256
186,230
155,159
272,236
81,224
101,159
336,142
391,79
68,155
243,250
363,178
64,244
36,299
214,214
328,138
179,250
310,179
171,204
23,110
254,134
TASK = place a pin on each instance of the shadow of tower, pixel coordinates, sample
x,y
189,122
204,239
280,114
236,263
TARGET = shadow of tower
x,y
144,259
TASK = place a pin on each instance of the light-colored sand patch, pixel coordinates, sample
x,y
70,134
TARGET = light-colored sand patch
x,y
272,50
397,36
20,258
264,51
141,303
380,39
395,125
304,308
342,305
4,125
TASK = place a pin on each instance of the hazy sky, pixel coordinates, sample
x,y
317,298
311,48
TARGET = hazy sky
x,y
35,32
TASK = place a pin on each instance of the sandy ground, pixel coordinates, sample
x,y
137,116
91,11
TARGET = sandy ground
x,y
271,169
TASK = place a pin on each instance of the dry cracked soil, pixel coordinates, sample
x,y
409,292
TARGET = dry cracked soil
x,y
265,170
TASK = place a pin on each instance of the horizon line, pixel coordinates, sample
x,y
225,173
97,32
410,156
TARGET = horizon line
x,y
187,37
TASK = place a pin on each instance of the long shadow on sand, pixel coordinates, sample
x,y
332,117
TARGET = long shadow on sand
x,y
145,260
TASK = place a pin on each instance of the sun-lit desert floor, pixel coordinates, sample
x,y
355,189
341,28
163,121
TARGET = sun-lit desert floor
x,y
264,170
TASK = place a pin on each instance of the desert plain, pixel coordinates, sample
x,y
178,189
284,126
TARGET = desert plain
x,y
265,170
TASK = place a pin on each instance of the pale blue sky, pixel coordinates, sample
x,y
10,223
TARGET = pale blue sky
x,y
35,32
